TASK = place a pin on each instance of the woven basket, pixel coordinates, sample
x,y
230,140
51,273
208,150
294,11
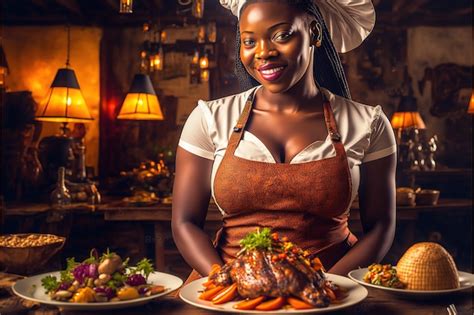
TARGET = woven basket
x,y
427,266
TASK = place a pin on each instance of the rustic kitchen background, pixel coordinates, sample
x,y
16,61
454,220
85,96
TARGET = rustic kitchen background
x,y
418,56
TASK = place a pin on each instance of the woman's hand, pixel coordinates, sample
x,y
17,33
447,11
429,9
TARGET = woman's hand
x,y
191,194
377,214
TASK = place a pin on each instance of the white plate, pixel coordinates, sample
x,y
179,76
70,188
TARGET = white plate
x,y
356,293
466,281
31,289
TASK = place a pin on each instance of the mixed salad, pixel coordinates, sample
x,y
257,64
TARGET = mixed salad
x,y
107,278
384,275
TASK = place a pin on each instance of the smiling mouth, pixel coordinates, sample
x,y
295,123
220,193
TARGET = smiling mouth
x,y
272,74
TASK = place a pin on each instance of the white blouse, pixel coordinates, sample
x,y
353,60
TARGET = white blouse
x,y
365,132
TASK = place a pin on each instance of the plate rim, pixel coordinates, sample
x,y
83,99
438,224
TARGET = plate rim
x,y
336,307
411,292
95,305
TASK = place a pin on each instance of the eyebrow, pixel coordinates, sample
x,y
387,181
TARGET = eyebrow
x,y
272,27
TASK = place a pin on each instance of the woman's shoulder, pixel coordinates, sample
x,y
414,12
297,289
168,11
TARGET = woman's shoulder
x,y
353,110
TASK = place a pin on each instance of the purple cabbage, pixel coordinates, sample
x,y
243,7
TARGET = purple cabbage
x,y
135,280
64,285
108,292
83,271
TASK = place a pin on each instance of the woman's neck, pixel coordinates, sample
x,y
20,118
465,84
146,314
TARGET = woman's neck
x,y
304,96
295,100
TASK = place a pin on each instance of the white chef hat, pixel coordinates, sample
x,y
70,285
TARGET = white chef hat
x,y
349,22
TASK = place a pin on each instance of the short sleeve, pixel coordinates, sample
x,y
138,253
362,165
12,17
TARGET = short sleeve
x,y
382,138
195,135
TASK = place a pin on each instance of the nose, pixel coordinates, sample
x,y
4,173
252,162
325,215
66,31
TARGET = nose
x,y
265,50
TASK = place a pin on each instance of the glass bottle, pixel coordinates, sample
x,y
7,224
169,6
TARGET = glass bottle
x,y
60,196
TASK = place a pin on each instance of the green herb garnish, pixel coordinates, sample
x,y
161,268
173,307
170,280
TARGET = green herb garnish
x,y
50,283
257,240
144,266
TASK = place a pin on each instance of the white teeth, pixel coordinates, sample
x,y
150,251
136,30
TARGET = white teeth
x,y
271,71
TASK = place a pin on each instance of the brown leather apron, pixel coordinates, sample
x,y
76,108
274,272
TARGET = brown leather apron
x,y
306,202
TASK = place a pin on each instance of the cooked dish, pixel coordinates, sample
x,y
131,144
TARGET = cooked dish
x,y
29,240
428,266
101,279
384,275
270,273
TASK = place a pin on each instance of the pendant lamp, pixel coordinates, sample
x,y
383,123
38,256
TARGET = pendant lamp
x,y
470,109
64,102
4,69
141,102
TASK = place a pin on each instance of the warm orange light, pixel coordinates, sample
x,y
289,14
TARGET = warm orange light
x,y
204,62
3,74
63,105
141,106
402,120
195,58
204,75
163,37
126,6
470,109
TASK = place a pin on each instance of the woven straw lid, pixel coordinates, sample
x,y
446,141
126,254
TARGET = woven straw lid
x,y
427,266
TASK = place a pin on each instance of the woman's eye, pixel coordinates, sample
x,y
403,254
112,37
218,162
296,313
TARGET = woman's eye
x,y
282,36
248,42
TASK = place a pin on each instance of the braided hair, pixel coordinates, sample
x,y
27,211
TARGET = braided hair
x,y
327,68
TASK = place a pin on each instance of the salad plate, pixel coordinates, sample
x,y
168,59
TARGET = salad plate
x,y
31,289
466,281
355,294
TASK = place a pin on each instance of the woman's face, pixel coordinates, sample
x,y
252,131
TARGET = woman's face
x,y
275,44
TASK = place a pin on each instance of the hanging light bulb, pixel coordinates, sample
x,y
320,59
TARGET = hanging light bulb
x,y
204,75
201,34
195,59
204,62
156,58
126,6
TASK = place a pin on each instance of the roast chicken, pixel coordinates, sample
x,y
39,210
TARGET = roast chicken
x,y
273,267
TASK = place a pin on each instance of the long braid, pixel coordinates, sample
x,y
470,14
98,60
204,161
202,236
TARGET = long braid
x,y
327,66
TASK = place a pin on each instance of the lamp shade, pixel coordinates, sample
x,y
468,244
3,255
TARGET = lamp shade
x,y
64,102
407,114
470,109
141,102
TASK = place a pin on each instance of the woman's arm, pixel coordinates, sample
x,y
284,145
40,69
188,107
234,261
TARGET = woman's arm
x,y
377,214
191,194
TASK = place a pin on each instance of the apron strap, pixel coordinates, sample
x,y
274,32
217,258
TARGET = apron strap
x,y
329,119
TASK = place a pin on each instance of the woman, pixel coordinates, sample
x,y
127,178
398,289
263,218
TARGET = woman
x,y
292,151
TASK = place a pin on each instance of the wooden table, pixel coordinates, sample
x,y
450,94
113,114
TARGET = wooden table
x,y
160,216
378,302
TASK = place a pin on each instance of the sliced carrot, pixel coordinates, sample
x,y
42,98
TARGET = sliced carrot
x,y
272,304
331,294
299,304
226,295
211,293
317,264
214,269
249,304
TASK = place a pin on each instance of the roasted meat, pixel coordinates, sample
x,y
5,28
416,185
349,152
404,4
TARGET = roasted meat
x,y
278,268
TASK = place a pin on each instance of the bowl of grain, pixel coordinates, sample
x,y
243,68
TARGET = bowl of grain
x,y
26,253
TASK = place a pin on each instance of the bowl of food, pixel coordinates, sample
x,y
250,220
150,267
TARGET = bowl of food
x,y
428,266
427,197
26,253
405,196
